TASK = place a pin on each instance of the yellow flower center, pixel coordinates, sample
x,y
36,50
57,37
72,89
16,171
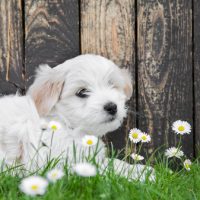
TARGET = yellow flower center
x,y
54,127
187,166
89,142
54,174
34,187
181,128
144,137
135,135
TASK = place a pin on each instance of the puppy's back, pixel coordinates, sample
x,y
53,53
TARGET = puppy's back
x,y
14,108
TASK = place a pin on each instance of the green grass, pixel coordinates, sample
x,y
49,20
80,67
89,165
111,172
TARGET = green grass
x,y
181,184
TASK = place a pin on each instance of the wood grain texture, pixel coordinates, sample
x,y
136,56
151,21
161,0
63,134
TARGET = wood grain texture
x,y
11,46
163,45
107,28
196,37
165,69
51,33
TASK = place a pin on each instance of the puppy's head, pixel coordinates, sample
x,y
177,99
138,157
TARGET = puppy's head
x,y
88,91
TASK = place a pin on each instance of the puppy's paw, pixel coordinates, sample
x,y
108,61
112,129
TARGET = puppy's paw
x,y
134,172
141,173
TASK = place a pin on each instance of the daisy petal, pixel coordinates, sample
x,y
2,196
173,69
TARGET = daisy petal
x,y
187,164
135,135
54,175
181,127
174,152
54,125
33,185
145,138
89,140
137,157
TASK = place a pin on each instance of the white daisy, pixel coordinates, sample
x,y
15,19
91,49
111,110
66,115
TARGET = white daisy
x,y
85,169
135,135
181,127
54,125
54,175
145,138
174,152
137,157
89,140
33,185
187,164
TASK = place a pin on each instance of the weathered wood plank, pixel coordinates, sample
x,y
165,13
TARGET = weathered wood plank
x,y
197,73
51,33
165,69
107,28
11,46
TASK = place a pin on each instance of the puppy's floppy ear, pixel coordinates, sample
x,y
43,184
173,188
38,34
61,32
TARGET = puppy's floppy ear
x,y
128,85
47,88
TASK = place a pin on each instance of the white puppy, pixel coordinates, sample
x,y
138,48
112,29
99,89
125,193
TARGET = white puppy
x,y
86,94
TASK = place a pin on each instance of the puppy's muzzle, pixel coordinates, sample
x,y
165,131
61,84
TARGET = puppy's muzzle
x,y
111,108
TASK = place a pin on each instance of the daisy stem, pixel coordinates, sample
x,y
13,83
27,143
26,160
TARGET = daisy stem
x,y
74,151
140,147
51,144
126,156
89,153
131,150
37,149
179,143
126,148
167,163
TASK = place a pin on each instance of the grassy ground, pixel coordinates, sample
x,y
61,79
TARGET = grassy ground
x,y
180,184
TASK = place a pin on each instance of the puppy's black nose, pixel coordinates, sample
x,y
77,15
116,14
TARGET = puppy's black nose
x,y
111,108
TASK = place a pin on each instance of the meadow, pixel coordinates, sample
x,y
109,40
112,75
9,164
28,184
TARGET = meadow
x,y
180,184
176,177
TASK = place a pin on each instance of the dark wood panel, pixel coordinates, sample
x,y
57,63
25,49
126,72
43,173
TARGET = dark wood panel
x,y
11,46
165,69
164,48
196,36
51,33
107,28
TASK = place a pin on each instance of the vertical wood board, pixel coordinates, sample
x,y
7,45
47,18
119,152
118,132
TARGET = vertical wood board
x,y
165,87
11,47
51,33
108,29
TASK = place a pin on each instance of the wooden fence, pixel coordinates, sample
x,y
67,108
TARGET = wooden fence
x,y
158,40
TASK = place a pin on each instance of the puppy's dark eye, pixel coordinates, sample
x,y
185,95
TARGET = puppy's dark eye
x,y
82,93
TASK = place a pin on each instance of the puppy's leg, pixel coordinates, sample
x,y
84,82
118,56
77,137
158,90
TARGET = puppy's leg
x,y
19,144
136,172
32,150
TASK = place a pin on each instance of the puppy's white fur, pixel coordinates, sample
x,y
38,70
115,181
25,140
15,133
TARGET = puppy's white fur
x,y
19,129
54,94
